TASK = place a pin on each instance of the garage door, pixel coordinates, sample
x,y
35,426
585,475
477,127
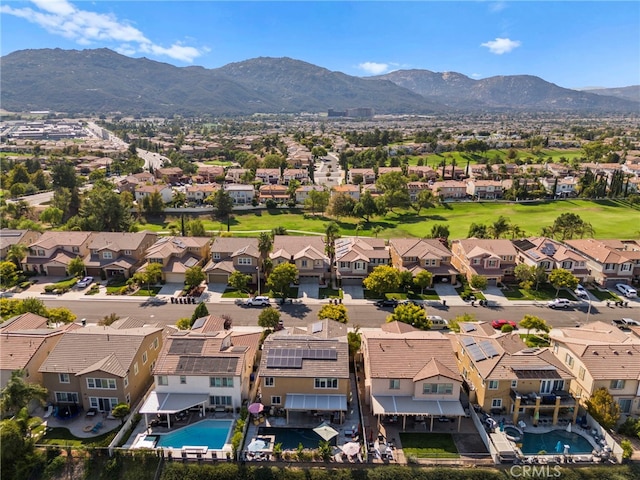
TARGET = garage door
x,y
175,278
57,271
218,278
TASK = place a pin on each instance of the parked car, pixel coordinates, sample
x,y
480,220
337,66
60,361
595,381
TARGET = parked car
x,y
626,290
502,322
631,322
559,303
581,292
85,282
437,322
418,303
257,302
387,302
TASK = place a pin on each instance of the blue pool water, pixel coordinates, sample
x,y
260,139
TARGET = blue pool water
x,y
532,443
210,433
291,437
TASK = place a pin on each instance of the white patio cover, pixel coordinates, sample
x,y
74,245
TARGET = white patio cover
x,y
392,405
298,401
172,402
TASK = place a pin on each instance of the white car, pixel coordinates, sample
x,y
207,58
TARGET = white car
x,y
257,302
580,291
559,303
437,322
626,290
85,282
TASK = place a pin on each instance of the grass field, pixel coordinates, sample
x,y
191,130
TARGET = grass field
x,y
433,160
609,218
428,445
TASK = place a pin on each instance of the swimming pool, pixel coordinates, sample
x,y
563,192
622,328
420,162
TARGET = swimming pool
x,y
290,438
532,443
210,433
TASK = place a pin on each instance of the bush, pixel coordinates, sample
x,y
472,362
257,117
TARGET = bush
x,y
630,427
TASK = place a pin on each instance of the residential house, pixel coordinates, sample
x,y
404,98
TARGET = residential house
x,y
268,175
307,370
364,176
606,264
452,172
209,173
418,254
600,355
177,255
142,191
423,171
385,170
550,254
25,343
10,237
99,367
130,182
415,188
235,175
117,254
209,366
564,187
231,254
357,257
51,253
170,175
299,174
494,259
239,193
352,190
302,192
411,374
506,377
277,193
199,192
307,253
450,189
484,189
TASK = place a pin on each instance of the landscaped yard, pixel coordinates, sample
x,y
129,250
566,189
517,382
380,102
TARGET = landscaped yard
x,y
428,445
233,293
603,295
63,437
544,292
330,293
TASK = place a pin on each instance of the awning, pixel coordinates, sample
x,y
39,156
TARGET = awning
x,y
392,405
172,402
297,401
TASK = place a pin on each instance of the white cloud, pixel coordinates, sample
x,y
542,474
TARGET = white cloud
x,y
501,45
374,68
476,75
495,7
60,17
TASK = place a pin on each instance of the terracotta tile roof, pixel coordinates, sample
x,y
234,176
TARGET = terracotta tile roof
x,y
598,250
433,368
50,240
119,241
298,246
398,327
478,246
234,244
421,248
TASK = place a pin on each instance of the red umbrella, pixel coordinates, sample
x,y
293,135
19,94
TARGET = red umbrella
x,y
255,408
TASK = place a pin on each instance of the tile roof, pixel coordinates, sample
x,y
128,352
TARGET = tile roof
x,y
598,250
234,244
119,241
50,239
478,246
298,246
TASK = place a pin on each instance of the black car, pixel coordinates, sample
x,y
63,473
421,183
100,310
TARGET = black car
x,y
387,302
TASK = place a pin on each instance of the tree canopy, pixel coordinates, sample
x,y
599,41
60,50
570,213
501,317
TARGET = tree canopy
x,y
281,277
561,278
603,408
383,279
269,318
411,314
334,312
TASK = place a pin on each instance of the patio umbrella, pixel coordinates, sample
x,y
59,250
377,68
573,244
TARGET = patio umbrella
x,y
256,445
255,408
327,432
350,449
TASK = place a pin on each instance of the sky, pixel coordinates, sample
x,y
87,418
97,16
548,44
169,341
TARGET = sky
x,y
573,44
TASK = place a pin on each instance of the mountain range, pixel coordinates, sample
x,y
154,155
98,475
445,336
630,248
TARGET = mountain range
x,y
101,81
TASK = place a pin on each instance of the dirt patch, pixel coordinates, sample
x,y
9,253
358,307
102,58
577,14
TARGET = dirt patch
x,y
469,444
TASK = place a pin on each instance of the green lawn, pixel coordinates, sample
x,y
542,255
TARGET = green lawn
x,y
428,445
609,218
62,436
330,293
434,160
603,295
233,293
544,292
143,292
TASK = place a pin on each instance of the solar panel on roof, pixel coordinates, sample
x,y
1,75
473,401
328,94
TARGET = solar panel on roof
x,y
467,327
466,341
488,349
476,353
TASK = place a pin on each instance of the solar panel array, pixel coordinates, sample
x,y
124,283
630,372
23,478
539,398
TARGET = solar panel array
x,y
467,327
479,351
292,357
186,346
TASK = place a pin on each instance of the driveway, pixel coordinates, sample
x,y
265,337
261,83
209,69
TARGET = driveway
x,y
448,293
353,292
171,289
308,288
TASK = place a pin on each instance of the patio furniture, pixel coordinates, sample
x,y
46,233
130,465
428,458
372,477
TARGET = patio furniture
x,y
49,411
96,428
91,412
87,428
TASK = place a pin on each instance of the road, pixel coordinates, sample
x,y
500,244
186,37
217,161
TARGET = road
x,y
301,314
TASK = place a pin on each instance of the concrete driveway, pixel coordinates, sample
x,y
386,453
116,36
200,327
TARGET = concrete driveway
x,y
353,292
308,288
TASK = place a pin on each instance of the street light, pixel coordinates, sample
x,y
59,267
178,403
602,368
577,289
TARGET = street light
x,y
258,277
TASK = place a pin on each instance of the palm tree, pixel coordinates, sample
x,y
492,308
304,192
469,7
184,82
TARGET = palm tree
x,y
16,253
265,245
499,227
331,233
376,230
516,231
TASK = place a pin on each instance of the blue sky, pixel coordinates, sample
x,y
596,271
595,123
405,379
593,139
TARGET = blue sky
x,y
570,43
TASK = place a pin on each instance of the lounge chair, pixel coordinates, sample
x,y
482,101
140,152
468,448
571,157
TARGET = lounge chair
x,y
49,411
96,428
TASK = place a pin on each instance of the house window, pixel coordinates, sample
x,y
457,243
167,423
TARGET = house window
x,y
128,399
394,384
545,265
437,388
183,380
625,267
476,261
360,265
568,359
578,392
617,384
155,344
625,405
496,403
581,373
493,384
245,261
567,265
304,263
344,264
222,400
107,255
326,383
609,266
514,383
66,397
128,252
135,368
216,256
221,382
269,382
555,348
75,249
163,380
276,400
102,383
64,378
144,358
492,263
40,253
126,381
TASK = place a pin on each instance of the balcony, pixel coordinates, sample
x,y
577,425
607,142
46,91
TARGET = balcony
x,y
547,400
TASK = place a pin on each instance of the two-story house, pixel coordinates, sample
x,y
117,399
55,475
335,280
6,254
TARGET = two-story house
x,y
484,189
10,237
307,253
142,191
100,367
600,355
208,366
423,171
506,377
418,254
494,259
561,187
170,175
130,182
199,192
209,173
240,194
51,253
177,255
302,192
235,175
415,188
357,257
25,343
450,189
307,371
411,374
117,254
364,176
299,174
606,264
347,189
268,175
550,254
277,193
232,254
